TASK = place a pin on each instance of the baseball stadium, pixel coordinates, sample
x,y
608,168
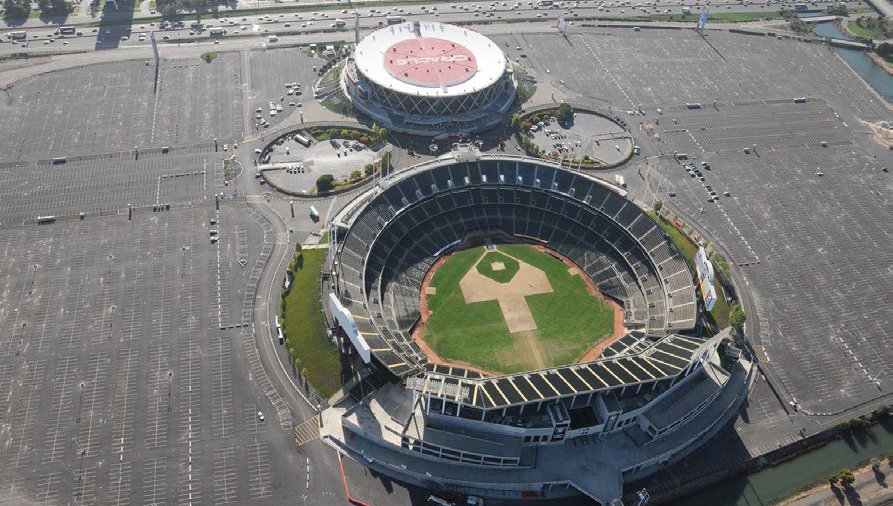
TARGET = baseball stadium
x,y
429,78
531,331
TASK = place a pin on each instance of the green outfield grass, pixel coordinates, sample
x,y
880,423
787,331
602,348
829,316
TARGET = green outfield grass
x,y
570,320
485,267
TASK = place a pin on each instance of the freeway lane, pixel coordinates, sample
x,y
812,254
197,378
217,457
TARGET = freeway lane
x,y
43,40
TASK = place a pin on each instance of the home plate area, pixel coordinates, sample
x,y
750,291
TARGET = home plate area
x,y
528,280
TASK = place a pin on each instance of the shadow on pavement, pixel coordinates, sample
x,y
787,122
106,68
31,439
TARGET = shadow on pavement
x,y
115,25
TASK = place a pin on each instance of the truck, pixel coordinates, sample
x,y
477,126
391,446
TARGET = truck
x,y
801,7
686,10
395,20
340,23
619,181
217,32
17,35
66,30
545,3
314,214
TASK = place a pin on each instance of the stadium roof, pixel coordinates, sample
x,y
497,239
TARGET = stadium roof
x,y
665,359
441,60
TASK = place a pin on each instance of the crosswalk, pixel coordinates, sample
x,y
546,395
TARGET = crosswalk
x,y
256,199
307,431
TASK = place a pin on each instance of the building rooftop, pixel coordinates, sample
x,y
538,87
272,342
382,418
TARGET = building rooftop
x,y
438,60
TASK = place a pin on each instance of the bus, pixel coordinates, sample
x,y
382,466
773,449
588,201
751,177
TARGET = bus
x,y
545,3
300,139
395,20
66,30
314,214
217,32
17,35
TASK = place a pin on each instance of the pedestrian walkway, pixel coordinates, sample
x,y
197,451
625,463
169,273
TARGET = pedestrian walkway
x,y
870,488
307,431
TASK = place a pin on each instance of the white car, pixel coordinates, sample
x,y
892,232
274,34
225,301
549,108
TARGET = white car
x,y
260,415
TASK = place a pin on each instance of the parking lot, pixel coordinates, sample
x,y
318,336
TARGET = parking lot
x,y
111,106
299,167
117,385
807,227
270,71
106,184
662,68
589,135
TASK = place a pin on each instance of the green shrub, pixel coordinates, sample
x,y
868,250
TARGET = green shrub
x,y
325,183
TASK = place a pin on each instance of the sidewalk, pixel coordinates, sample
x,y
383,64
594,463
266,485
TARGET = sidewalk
x,y
870,488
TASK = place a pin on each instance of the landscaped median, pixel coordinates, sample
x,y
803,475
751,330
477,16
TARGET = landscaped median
x,y
314,357
720,314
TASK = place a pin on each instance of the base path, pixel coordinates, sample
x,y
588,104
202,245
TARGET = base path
x,y
527,281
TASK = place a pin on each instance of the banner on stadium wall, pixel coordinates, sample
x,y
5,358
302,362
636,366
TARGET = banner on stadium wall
x,y
705,277
347,323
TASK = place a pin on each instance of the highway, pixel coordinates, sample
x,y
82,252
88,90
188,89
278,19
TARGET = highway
x,y
254,30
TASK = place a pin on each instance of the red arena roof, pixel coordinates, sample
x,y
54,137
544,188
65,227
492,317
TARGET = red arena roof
x,y
430,61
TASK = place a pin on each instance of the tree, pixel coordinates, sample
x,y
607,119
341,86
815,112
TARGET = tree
x,y
516,122
658,205
846,476
721,266
838,9
16,9
355,176
53,7
737,317
885,49
565,113
325,183
368,169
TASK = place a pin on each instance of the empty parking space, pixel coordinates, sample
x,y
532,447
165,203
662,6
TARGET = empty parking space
x,y
270,72
660,68
111,106
108,185
797,218
118,385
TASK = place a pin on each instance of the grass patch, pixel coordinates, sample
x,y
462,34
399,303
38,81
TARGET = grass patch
x,y
569,320
870,27
305,326
338,103
719,315
209,56
485,267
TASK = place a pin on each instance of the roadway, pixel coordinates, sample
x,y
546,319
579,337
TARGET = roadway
x,y
257,28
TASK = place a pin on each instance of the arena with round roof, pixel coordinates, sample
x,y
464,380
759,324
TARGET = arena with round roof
x,y
429,78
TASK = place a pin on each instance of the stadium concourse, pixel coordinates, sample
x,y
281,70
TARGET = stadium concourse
x,y
651,397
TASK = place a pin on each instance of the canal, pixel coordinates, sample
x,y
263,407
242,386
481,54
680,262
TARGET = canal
x,y
871,72
775,483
